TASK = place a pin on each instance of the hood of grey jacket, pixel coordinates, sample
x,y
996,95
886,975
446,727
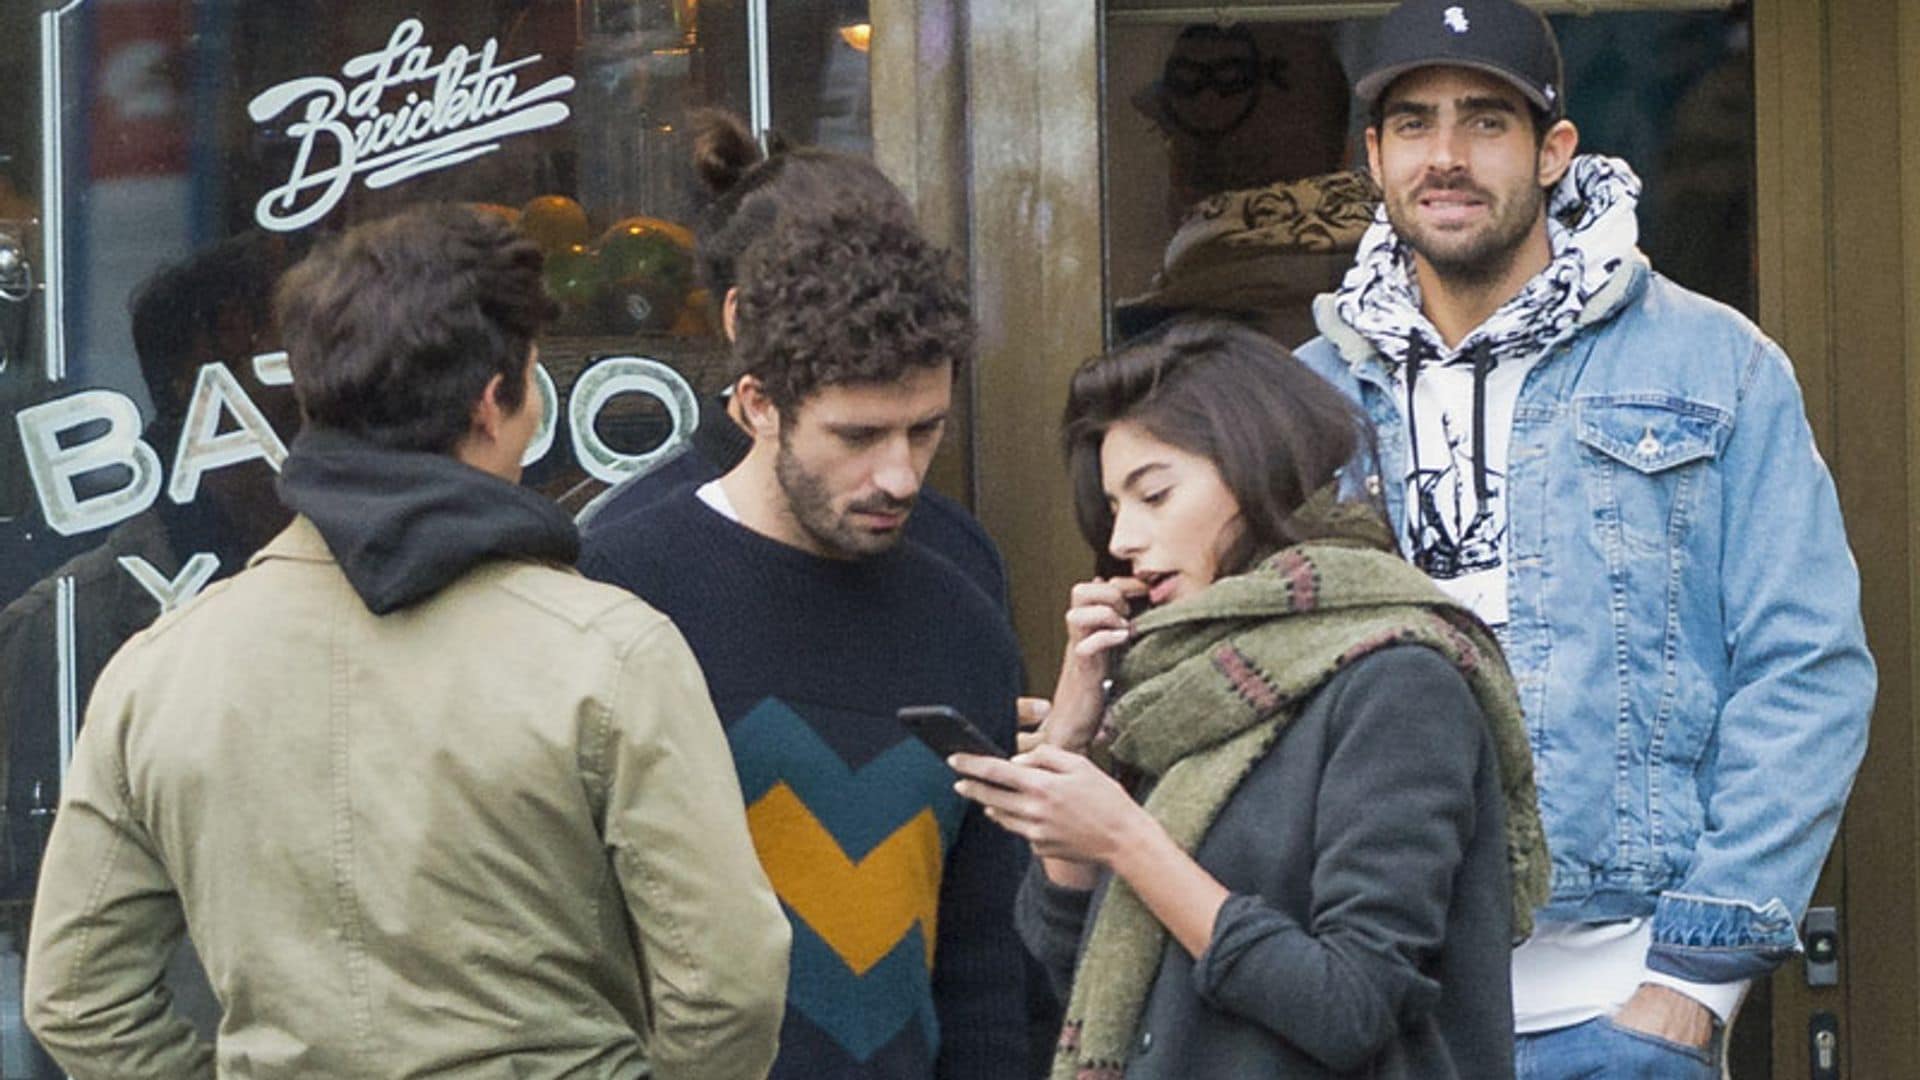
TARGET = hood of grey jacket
x,y
403,524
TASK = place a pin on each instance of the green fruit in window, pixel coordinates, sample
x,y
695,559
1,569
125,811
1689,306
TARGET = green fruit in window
x,y
648,265
575,277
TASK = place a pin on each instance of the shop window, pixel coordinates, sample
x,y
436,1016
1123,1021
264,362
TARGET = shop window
x,y
179,155
1232,147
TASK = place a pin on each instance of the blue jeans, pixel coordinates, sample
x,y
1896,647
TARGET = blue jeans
x,y
1601,1050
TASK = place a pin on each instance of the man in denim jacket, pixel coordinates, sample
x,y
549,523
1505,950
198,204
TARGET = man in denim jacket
x,y
1618,475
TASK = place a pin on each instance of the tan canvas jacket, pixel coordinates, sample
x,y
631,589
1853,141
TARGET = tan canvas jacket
x,y
494,834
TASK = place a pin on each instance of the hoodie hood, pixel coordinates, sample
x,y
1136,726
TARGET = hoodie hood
x,y
1593,234
405,524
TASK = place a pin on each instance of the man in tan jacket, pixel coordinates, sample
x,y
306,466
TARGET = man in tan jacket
x,y
430,803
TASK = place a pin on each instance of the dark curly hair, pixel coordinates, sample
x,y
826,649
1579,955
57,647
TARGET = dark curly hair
x,y
394,328
846,298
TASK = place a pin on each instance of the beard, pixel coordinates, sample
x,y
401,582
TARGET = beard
x,y
1478,257
811,504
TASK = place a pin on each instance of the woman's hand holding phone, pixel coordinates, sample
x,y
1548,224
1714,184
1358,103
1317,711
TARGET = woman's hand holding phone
x,y
1051,769
1078,819
1059,802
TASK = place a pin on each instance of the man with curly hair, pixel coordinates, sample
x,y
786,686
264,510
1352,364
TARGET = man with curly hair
x,y
815,620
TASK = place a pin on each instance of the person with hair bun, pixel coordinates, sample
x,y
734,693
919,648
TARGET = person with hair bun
x,y
750,192
1336,837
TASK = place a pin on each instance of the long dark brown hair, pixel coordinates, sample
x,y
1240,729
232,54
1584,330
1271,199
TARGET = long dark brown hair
x,y
1278,433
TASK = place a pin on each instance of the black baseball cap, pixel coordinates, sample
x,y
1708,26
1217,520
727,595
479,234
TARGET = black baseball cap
x,y
1499,37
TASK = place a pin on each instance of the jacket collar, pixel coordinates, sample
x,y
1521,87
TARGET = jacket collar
x,y
1369,365
300,541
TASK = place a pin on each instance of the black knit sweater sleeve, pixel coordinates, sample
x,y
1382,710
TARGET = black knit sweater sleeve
x,y
979,981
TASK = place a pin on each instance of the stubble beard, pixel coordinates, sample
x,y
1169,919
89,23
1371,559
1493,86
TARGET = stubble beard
x,y
811,505
1481,258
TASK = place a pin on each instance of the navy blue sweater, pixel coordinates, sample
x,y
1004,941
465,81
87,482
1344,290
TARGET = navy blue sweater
x,y
905,964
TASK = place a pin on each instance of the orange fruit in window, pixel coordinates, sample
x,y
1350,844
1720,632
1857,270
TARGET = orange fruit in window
x,y
508,214
692,321
680,233
554,222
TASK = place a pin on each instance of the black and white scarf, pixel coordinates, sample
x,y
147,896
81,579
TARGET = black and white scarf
x,y
1592,232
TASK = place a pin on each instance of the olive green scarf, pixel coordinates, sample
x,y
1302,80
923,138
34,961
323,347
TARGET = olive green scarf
x,y
1203,693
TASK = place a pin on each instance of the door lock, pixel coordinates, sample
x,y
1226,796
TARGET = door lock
x,y
1823,1046
1822,936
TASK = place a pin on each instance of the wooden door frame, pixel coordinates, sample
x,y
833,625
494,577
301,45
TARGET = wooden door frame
x,y
918,68
1035,178
1837,97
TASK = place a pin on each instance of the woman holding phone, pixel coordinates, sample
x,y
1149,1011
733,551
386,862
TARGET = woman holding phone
x,y
1285,817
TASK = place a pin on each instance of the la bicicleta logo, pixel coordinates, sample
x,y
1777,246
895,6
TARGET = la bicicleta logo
x,y
396,113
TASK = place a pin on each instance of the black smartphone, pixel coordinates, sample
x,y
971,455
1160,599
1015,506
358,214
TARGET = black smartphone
x,y
947,732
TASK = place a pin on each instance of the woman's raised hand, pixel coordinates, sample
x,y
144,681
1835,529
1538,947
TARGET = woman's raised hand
x,y
1097,621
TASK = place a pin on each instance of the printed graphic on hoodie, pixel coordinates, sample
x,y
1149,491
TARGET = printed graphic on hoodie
x,y
1456,485
1459,401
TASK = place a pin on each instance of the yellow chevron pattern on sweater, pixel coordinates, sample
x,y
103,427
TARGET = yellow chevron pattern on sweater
x,y
860,909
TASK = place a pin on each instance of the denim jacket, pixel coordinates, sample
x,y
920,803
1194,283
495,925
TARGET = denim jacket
x,y
1684,623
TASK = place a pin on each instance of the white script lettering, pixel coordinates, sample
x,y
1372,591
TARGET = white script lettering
x,y
453,111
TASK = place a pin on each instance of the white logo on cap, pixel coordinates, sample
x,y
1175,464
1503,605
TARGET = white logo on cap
x,y
1456,18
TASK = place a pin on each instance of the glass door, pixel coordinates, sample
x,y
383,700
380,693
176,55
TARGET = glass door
x,y
162,162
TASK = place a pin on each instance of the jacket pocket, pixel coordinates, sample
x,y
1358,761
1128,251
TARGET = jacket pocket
x,y
1644,452
1650,433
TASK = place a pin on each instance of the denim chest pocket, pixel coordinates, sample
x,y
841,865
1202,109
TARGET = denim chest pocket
x,y
1646,456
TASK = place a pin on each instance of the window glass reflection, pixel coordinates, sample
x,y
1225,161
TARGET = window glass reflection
x,y
206,146
1234,156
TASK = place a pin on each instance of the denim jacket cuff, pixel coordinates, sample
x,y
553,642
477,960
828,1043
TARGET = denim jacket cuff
x,y
1708,940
